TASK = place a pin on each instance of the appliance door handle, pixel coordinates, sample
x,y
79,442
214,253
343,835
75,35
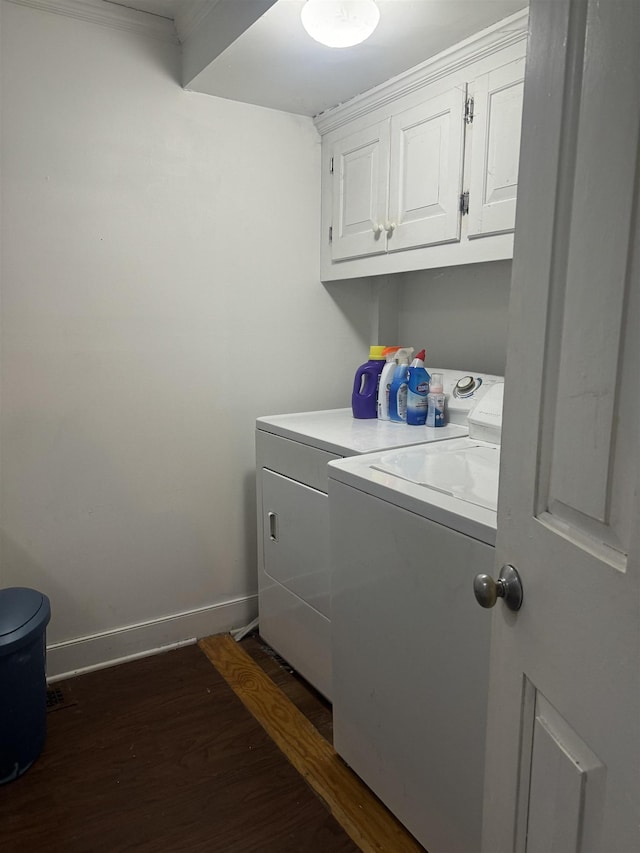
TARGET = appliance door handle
x,y
273,526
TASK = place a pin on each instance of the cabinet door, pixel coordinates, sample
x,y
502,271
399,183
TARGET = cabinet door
x,y
495,149
360,185
427,147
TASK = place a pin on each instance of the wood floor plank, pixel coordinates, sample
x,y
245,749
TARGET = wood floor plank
x,y
159,755
306,699
371,826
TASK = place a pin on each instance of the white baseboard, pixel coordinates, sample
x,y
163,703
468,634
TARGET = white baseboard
x,y
84,654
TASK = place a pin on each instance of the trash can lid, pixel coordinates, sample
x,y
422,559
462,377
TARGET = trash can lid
x,y
19,605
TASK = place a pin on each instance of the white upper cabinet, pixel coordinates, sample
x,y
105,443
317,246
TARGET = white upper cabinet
x,y
495,149
396,184
360,168
422,171
427,147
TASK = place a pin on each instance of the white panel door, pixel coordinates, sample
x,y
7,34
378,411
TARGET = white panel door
x,y
495,149
425,178
360,187
563,734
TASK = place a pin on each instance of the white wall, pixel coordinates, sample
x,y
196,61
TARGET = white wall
x,y
459,313
160,290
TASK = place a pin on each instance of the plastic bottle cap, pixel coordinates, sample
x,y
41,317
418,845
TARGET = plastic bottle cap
x,y
377,353
389,350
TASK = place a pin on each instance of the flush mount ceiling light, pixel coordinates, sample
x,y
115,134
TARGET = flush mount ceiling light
x,y
340,23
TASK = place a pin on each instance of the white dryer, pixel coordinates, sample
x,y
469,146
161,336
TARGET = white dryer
x,y
292,452
409,531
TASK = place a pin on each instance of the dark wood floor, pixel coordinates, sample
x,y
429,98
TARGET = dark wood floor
x,y
160,755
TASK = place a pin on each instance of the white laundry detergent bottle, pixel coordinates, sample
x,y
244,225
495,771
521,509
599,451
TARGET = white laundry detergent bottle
x,y
386,378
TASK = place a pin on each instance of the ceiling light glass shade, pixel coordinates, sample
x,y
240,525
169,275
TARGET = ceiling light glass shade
x,y
340,23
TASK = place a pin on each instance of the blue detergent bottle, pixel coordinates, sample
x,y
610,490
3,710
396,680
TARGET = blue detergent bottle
x,y
364,397
417,391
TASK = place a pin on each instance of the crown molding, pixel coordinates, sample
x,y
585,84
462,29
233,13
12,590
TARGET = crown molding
x,y
509,31
189,17
107,14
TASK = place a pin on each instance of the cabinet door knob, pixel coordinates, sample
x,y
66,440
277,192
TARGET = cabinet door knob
x,y
389,227
377,229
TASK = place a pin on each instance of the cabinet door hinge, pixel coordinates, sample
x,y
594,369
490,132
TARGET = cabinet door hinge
x,y
331,166
330,233
464,203
468,110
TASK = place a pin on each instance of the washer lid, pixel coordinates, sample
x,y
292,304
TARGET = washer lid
x,y
18,605
464,469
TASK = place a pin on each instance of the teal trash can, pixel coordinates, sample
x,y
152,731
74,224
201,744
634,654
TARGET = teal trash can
x,y
24,616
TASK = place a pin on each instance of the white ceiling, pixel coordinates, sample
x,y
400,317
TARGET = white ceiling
x,y
274,63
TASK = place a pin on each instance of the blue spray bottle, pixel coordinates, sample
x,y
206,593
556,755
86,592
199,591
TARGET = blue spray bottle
x,y
398,388
417,391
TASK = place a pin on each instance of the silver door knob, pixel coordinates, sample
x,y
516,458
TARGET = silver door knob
x,y
508,586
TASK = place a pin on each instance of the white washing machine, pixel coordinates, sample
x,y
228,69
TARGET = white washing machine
x,y
292,452
409,531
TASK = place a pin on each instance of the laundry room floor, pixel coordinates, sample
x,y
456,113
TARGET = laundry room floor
x,y
162,754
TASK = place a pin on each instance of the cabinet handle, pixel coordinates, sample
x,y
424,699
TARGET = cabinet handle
x,y
389,227
273,526
377,229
